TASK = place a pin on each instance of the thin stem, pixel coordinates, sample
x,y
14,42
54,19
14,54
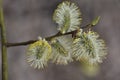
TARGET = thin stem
x,y
20,44
48,38
32,41
3,45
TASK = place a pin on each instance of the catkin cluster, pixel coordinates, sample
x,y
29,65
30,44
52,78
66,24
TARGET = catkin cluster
x,y
85,46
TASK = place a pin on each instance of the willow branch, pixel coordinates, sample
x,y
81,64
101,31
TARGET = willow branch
x,y
3,46
48,38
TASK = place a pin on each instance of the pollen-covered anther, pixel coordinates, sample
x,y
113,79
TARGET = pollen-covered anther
x,y
67,16
39,53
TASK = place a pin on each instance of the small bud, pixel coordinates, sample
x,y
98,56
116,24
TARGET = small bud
x,y
89,70
79,32
95,21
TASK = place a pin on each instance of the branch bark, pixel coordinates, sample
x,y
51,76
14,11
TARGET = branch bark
x,y
48,38
3,45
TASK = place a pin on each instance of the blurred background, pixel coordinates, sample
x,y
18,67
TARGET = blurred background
x,y
28,19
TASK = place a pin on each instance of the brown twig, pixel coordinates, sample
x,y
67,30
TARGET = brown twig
x,y
48,38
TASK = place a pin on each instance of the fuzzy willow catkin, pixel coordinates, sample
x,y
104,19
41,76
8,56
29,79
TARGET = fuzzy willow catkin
x,y
61,49
39,53
67,16
87,47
